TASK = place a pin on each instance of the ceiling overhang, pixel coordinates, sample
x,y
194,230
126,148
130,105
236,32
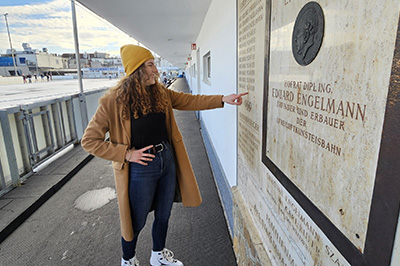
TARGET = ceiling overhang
x,y
166,27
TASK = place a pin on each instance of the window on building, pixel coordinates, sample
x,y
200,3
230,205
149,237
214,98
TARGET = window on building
x,y
207,68
22,60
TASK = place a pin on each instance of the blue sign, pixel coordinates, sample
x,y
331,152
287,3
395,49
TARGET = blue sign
x,y
6,61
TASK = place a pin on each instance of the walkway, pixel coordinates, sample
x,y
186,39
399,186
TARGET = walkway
x,y
69,229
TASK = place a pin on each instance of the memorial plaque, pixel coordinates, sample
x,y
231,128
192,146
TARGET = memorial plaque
x,y
251,29
312,143
292,235
324,121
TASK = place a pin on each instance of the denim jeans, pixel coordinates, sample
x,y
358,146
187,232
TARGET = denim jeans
x,y
151,186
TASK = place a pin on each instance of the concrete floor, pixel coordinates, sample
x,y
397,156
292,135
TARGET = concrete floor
x,y
18,94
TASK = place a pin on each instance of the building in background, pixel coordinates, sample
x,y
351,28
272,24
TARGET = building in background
x,y
94,65
103,65
32,61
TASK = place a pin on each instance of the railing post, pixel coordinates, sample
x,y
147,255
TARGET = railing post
x,y
9,145
23,144
71,119
62,124
2,180
48,134
57,125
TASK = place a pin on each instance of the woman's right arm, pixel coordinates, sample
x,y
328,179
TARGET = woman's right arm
x,y
93,140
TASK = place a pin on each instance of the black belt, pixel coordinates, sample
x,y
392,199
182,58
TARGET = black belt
x,y
157,148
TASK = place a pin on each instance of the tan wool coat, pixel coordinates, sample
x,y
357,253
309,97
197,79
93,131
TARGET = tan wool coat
x,y
108,118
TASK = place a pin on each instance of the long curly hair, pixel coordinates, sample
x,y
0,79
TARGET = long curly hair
x,y
144,99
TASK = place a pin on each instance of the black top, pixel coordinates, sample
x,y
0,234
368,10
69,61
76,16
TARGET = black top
x,y
148,130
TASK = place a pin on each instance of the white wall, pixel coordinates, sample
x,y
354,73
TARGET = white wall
x,y
218,36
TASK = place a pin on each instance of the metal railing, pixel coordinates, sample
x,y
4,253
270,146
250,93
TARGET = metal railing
x,y
31,134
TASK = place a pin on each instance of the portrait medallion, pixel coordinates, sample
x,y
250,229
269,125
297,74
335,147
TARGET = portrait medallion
x,y
308,33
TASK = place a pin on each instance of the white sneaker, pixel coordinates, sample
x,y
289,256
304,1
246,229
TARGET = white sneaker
x,y
164,257
132,262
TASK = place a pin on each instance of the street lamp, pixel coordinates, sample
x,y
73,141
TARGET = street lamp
x,y
9,38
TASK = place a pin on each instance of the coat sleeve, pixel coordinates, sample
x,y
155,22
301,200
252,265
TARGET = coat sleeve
x,y
93,140
187,101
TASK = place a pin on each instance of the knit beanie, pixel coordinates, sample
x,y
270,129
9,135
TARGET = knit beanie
x,y
133,57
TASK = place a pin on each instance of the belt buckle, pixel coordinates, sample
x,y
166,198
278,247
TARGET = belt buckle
x,y
159,145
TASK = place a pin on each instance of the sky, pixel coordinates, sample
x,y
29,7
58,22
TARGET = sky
x,y
48,24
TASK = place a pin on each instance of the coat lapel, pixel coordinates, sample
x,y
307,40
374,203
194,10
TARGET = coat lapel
x,y
126,125
168,123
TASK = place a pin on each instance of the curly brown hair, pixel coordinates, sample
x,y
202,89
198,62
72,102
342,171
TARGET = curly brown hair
x,y
144,99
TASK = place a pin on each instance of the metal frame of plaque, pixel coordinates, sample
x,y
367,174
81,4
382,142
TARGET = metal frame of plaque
x,y
385,204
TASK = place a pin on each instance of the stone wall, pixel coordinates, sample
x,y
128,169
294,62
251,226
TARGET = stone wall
x,y
247,243
316,134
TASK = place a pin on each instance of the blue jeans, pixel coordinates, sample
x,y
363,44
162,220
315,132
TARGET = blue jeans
x,y
151,186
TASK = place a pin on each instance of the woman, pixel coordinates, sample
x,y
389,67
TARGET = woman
x,y
151,165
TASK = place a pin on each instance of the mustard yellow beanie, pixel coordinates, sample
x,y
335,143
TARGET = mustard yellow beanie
x,y
133,57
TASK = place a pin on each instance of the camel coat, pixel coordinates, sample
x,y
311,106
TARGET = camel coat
x,y
108,118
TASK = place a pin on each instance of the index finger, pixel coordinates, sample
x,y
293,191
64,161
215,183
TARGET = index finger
x,y
244,93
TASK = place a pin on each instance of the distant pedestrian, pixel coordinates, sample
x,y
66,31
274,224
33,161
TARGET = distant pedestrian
x,y
164,78
24,78
150,162
42,76
48,77
29,76
35,77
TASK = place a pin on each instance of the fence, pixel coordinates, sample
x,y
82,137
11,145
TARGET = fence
x,y
32,134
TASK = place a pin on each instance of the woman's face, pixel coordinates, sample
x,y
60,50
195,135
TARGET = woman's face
x,y
151,71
